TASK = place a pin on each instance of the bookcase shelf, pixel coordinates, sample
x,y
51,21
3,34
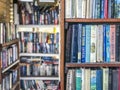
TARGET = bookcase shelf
x,y
86,20
39,54
75,65
10,66
15,85
14,41
40,78
40,28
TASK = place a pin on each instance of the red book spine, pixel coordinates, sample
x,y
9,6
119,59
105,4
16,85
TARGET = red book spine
x,y
106,9
112,42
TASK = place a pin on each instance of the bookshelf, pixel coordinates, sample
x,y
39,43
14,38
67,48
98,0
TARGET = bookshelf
x,y
75,68
40,43
9,69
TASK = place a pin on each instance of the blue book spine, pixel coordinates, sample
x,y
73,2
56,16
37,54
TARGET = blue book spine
x,y
79,42
93,80
107,43
88,37
102,8
118,8
104,43
74,46
109,9
99,79
83,44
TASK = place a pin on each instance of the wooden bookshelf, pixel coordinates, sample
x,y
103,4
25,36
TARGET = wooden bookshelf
x,y
85,20
10,66
15,41
72,65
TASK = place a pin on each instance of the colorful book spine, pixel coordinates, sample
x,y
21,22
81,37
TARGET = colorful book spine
x,y
88,38
83,44
93,80
107,43
112,42
93,43
79,42
78,79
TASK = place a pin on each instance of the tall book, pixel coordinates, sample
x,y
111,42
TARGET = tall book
x,y
105,78
112,42
93,79
74,44
87,42
83,46
68,43
107,43
79,42
78,8
87,79
78,79
93,43
68,8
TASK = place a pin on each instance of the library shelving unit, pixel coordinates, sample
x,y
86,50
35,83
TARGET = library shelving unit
x,y
40,44
9,71
76,65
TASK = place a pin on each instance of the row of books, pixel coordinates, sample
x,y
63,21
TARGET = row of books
x,y
39,42
7,32
9,80
38,69
39,85
35,14
93,79
39,66
9,55
92,43
92,8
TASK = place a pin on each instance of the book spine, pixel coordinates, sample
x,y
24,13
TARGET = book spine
x,y
106,9
78,79
112,42
79,42
102,8
88,36
107,43
105,78
74,46
93,44
93,80
104,43
83,46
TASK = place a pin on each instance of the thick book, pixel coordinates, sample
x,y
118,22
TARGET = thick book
x,y
93,79
93,43
112,42
78,73
87,42
83,46
79,42
105,78
74,45
99,79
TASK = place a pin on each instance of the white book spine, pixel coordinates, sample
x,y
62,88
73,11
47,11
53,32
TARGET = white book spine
x,y
93,44
79,8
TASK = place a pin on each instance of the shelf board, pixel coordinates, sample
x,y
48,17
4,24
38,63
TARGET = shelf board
x,y
10,66
14,41
15,85
39,54
86,20
41,28
114,64
39,78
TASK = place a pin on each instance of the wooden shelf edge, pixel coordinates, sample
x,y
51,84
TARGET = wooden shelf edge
x,y
14,86
86,20
10,66
38,54
39,78
70,65
10,42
